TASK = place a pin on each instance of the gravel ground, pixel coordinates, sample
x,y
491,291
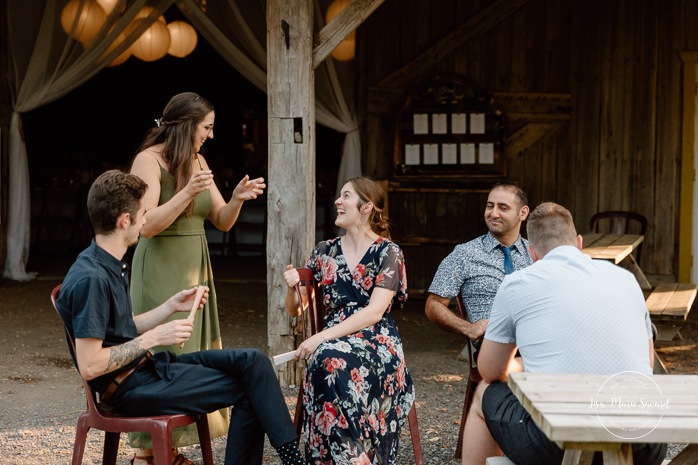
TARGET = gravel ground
x,y
41,394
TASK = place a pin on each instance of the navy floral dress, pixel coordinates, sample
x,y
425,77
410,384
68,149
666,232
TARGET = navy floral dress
x,y
358,391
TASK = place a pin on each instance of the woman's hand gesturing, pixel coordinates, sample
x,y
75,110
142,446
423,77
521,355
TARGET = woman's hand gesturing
x,y
200,181
248,189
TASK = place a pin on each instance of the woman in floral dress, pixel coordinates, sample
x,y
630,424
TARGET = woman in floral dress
x,y
358,391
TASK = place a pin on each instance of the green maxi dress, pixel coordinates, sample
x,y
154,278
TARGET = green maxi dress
x,y
163,265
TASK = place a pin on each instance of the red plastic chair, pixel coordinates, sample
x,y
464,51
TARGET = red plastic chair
x,y
312,316
473,379
160,427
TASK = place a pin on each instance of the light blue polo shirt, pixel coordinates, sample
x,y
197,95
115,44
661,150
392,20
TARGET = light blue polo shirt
x,y
568,313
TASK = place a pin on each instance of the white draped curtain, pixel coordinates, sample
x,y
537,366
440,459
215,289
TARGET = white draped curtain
x,y
45,64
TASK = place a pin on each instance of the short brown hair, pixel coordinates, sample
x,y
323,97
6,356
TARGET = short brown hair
x,y
111,194
550,225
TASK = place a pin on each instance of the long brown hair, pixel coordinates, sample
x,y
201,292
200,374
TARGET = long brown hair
x,y
369,190
175,130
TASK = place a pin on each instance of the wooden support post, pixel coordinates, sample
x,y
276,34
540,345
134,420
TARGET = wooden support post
x,y
291,191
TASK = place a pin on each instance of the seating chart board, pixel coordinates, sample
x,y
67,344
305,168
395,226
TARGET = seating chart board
x,y
449,128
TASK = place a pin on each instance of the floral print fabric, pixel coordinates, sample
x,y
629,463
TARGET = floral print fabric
x,y
358,391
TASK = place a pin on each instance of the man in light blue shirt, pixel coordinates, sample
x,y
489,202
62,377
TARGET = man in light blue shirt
x,y
566,313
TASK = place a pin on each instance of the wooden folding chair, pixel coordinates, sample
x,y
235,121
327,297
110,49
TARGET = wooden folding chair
x,y
473,379
312,317
160,427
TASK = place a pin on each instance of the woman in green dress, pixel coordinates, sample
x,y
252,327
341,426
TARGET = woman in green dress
x,y
172,252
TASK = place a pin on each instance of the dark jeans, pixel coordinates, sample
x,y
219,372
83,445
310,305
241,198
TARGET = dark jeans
x,y
525,444
202,382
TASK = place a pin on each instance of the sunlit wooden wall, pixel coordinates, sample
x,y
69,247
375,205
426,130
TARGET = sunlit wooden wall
x,y
619,61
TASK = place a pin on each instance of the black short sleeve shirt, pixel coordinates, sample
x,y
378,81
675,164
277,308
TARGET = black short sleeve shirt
x,y
94,302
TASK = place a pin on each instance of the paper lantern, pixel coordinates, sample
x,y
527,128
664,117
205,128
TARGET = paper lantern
x,y
121,58
83,23
153,43
109,5
183,39
146,12
335,8
346,49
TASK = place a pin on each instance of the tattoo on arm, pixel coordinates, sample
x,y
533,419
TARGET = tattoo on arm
x,y
124,354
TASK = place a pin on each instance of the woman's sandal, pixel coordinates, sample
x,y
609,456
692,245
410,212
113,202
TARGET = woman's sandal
x,y
181,460
148,459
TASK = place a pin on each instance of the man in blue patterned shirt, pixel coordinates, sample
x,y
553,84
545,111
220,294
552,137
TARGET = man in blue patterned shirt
x,y
476,269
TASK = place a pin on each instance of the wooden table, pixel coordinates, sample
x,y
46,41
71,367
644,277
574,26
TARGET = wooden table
x,y
587,413
614,247
618,249
668,304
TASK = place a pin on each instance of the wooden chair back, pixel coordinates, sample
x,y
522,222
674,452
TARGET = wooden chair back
x,y
98,416
464,315
619,222
312,308
470,384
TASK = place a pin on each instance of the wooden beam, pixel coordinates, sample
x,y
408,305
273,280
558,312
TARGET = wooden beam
x,y
341,26
525,137
424,64
534,107
533,117
291,187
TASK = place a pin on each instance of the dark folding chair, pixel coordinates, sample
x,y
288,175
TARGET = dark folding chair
x,y
312,317
471,383
160,427
619,222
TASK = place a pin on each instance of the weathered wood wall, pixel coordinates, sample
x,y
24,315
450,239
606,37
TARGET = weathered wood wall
x,y
619,60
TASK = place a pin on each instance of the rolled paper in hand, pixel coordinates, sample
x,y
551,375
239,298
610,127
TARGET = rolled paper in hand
x,y
285,357
197,301
195,306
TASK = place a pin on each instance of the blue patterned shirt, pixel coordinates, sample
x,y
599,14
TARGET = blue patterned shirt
x,y
476,269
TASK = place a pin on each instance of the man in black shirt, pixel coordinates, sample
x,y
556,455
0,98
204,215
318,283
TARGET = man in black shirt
x,y
94,303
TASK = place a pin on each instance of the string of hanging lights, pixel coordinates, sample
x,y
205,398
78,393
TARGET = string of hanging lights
x,y
83,19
